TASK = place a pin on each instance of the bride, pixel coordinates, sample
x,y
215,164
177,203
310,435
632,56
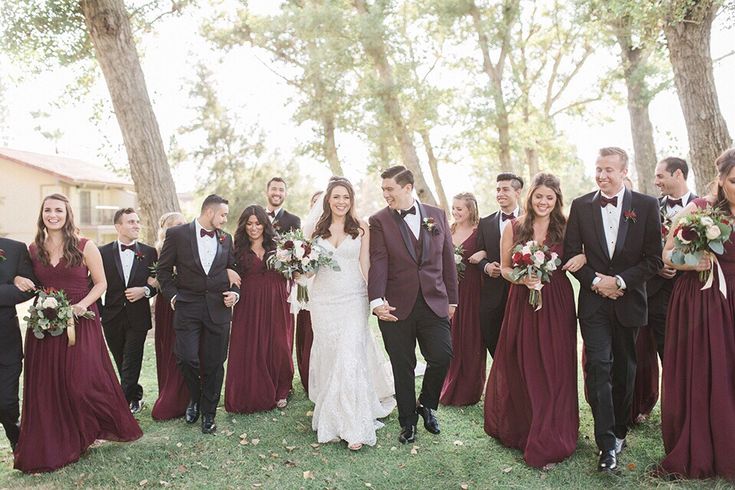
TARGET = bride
x,y
349,379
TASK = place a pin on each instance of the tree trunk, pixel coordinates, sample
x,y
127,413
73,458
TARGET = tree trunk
x,y
689,51
634,66
109,28
374,46
532,162
494,72
434,166
330,146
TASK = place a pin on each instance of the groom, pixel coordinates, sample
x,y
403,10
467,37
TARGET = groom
x,y
412,287
202,299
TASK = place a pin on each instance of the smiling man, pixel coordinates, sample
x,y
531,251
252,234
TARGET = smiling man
x,y
282,220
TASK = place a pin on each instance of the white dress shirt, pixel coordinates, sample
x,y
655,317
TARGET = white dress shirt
x,y
414,220
207,247
611,224
126,259
503,223
672,210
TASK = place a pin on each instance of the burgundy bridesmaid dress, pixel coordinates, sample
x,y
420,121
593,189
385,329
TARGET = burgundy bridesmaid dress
x,y
304,339
71,395
531,399
465,378
645,393
259,366
173,395
698,393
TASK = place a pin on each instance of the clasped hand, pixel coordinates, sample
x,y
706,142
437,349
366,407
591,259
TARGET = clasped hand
x,y
607,287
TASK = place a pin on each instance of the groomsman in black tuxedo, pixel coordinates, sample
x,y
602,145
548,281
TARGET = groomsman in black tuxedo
x,y
671,179
619,231
126,313
200,293
494,292
282,220
14,262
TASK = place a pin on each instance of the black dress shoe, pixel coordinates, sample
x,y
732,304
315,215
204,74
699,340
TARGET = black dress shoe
x,y
408,434
136,406
208,425
192,412
430,422
608,461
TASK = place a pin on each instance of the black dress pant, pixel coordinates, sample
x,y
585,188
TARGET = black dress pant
x,y
11,363
610,373
194,327
491,320
126,342
658,305
435,343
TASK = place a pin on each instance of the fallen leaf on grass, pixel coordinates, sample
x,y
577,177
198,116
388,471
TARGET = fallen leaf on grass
x,y
164,483
458,443
315,445
244,442
464,486
290,448
143,483
244,435
631,466
257,485
255,441
290,464
309,413
178,444
182,469
414,451
308,475
369,485
508,469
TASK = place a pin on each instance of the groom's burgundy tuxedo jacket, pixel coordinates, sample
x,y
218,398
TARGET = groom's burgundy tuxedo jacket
x,y
636,258
400,265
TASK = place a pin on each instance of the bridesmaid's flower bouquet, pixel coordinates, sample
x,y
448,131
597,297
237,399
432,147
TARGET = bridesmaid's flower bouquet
x,y
458,256
51,313
2,255
532,258
704,230
297,254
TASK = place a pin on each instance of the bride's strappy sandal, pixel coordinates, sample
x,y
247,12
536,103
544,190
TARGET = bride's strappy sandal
x,y
282,403
354,447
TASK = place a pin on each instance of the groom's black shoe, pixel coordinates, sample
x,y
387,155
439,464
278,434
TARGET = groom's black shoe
x,y
430,422
608,461
192,412
408,434
208,425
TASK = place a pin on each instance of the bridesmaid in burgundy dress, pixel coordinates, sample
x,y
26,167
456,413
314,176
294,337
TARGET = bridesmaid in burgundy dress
x,y
173,395
465,379
531,398
71,396
259,366
698,402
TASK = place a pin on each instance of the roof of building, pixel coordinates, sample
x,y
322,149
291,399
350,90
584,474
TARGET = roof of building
x,y
66,168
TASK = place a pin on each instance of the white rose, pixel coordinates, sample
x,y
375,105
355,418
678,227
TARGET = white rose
x,y
713,232
457,259
539,257
526,250
706,221
50,303
680,236
305,261
298,250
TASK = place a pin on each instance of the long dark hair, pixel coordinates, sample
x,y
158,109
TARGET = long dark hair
x,y
352,225
724,163
243,247
557,220
72,255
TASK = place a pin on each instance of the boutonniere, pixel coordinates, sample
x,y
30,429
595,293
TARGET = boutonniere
x,y
429,225
630,215
221,237
2,255
139,255
277,226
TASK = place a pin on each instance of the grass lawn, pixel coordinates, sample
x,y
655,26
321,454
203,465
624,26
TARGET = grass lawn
x,y
277,449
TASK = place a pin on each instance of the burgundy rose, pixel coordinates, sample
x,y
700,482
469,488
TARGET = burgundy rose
x,y
307,249
517,258
50,313
288,245
689,234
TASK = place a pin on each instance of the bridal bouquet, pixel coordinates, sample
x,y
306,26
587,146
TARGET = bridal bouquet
x,y
297,254
458,261
704,230
535,259
51,313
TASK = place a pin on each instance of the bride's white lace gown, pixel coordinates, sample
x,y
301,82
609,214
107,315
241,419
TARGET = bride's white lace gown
x,y
350,381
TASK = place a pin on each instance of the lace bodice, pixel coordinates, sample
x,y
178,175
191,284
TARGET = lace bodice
x,y
334,287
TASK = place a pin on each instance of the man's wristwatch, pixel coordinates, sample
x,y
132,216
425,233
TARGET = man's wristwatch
x,y
618,282
146,291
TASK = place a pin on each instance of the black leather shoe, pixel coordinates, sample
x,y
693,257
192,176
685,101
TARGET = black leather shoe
x,y
192,412
208,425
430,422
136,406
408,434
608,461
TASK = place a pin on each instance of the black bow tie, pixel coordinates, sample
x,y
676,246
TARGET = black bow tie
x,y
124,247
272,214
604,201
674,202
404,212
203,233
506,217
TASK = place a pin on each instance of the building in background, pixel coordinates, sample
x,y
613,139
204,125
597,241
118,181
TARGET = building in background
x,y
95,193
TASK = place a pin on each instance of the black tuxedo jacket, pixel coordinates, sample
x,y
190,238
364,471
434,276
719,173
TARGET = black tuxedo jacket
x,y
285,222
636,258
494,289
657,282
115,303
17,263
190,283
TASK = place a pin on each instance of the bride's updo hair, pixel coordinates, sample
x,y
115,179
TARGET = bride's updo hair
x,y
71,253
352,224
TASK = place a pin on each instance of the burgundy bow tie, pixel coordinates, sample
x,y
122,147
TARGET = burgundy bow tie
x,y
508,216
124,247
604,201
674,202
204,233
272,214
